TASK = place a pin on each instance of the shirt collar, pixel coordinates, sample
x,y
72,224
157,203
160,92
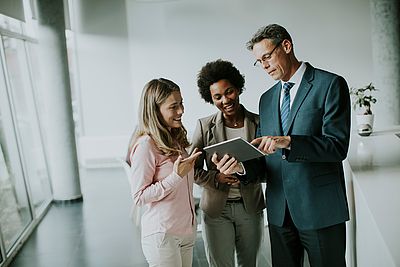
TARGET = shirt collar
x,y
298,75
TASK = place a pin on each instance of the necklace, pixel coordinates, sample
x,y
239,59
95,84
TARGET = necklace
x,y
235,122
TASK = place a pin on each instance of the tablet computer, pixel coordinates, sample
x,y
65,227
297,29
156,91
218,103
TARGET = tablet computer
x,y
237,147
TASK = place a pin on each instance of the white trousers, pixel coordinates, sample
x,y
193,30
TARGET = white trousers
x,y
166,250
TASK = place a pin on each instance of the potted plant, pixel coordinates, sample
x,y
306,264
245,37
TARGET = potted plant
x,y
362,101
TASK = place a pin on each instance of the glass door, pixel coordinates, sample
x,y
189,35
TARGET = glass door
x,y
25,189
27,122
40,184
15,212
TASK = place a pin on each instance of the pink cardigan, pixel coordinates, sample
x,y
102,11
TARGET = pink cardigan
x,y
167,197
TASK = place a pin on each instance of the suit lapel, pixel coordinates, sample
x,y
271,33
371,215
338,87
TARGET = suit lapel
x,y
217,129
249,125
302,92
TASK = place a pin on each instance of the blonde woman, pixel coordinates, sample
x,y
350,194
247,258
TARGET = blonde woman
x,y
162,176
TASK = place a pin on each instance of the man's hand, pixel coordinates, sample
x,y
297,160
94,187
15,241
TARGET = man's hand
x,y
269,144
227,165
183,166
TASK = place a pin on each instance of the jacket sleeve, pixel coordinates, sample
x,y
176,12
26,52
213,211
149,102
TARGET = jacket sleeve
x,y
202,177
143,165
331,145
256,171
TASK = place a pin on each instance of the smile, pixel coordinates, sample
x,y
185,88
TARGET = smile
x,y
229,107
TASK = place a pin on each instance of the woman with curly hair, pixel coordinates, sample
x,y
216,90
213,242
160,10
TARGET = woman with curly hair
x,y
232,217
162,176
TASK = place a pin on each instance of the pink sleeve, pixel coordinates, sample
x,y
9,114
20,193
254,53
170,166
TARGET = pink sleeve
x,y
143,165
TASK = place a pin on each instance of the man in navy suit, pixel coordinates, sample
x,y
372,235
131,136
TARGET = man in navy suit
x,y
304,128
306,195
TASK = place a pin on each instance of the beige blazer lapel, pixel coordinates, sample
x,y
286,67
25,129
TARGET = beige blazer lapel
x,y
249,125
218,129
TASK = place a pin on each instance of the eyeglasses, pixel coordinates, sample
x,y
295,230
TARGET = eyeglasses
x,y
266,57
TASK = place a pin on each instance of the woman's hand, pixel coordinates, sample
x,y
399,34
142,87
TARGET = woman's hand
x,y
227,165
227,179
183,166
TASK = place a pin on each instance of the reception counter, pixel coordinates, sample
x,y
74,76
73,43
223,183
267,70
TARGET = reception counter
x,y
372,171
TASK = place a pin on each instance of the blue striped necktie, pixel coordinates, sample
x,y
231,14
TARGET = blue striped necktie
x,y
285,108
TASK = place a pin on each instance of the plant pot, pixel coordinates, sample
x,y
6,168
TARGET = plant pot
x,y
365,124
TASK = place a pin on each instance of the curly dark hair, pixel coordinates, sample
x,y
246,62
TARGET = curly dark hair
x,y
215,71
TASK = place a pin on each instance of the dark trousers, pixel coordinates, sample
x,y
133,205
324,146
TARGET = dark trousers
x,y
325,247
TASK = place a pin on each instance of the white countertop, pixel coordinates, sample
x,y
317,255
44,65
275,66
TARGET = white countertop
x,y
375,164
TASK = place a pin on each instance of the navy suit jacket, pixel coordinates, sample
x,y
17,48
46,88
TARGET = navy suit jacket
x,y
308,177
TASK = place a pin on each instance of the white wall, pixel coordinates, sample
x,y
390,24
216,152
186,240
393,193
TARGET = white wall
x,y
102,50
103,65
175,39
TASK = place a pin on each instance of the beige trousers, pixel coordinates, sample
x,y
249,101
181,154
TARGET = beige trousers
x,y
166,250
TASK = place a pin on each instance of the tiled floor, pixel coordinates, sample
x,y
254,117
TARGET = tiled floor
x,y
96,232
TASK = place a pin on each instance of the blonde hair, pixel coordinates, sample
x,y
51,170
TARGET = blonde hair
x,y
169,142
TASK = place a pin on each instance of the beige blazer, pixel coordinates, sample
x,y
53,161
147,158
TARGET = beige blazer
x,y
210,130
